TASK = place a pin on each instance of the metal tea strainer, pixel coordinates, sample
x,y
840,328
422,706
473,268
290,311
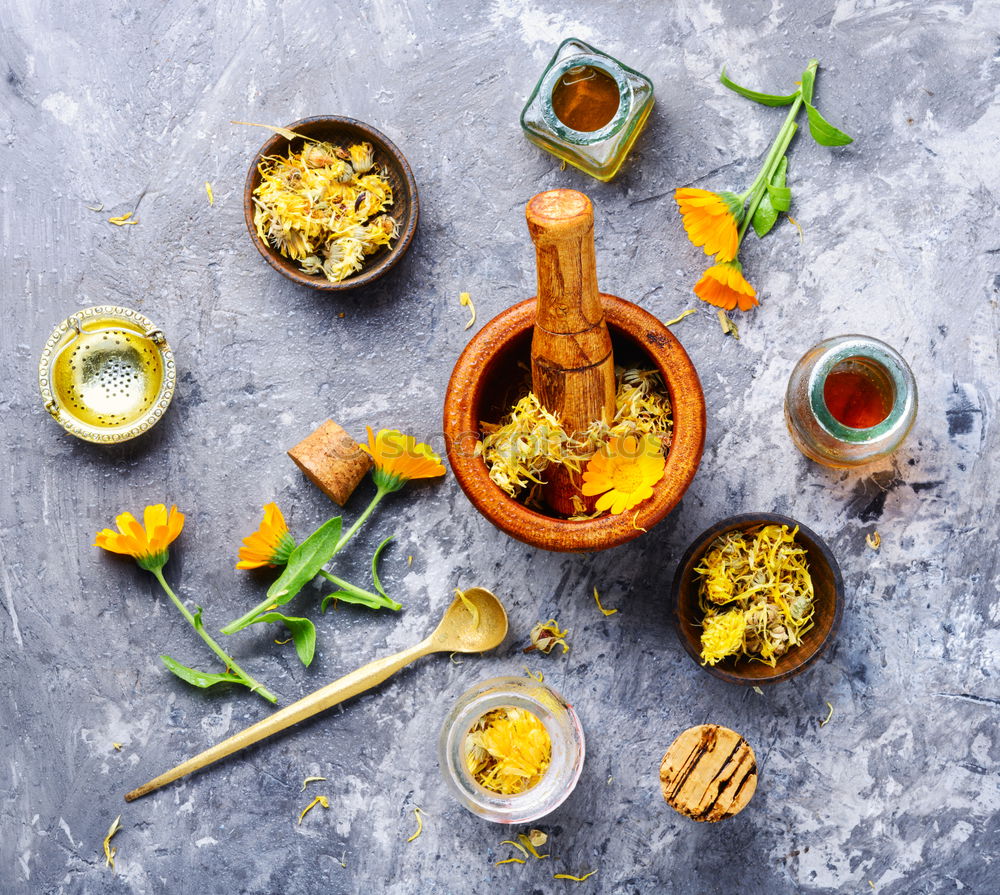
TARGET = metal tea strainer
x,y
106,374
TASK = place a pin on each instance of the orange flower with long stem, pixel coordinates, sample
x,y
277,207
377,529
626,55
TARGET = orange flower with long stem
x,y
270,545
724,286
148,545
711,220
399,458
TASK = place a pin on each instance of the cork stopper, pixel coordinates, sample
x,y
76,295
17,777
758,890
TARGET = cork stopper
x,y
709,773
332,461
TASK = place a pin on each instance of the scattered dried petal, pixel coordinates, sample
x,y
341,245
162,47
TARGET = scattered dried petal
x,y
118,746
109,852
96,207
597,599
516,845
797,227
577,879
454,661
758,691
472,607
873,540
282,642
319,800
420,824
826,720
465,300
681,316
409,560
309,780
123,220
534,675
208,189
284,131
529,846
510,861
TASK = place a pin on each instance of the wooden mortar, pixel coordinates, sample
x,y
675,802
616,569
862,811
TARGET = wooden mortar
x,y
572,362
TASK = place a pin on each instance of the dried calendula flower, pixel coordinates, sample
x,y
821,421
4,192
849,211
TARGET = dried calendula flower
x,y
508,750
324,206
546,635
756,594
519,450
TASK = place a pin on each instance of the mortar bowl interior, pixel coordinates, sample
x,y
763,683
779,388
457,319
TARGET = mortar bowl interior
x,y
494,371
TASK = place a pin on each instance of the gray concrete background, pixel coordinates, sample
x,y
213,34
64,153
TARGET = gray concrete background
x,y
128,104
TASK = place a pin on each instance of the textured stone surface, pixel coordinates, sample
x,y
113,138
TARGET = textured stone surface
x,y
128,104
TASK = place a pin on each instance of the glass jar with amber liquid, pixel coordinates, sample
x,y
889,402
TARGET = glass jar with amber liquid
x,y
851,400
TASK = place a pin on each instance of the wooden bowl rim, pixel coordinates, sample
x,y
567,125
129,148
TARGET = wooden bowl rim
x,y
743,521
548,532
367,274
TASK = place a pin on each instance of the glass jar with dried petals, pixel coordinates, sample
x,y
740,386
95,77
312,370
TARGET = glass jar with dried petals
x,y
511,750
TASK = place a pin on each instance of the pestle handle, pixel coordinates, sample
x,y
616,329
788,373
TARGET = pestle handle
x,y
572,365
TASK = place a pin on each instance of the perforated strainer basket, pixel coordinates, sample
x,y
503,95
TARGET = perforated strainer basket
x,y
106,374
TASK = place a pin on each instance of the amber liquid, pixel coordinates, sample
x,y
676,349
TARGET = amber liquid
x,y
857,395
585,98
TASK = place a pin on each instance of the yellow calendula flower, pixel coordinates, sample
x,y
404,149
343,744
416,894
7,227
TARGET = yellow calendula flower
x,y
399,458
711,220
146,543
624,471
270,545
721,636
724,286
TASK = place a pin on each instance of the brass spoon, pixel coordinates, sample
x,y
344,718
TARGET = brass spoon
x,y
457,632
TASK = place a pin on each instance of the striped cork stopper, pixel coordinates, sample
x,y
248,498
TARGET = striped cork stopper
x,y
709,773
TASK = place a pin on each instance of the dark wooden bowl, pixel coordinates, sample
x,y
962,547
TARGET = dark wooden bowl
x,y
491,374
405,208
829,604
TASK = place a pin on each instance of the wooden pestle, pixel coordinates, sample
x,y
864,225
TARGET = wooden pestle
x,y
572,365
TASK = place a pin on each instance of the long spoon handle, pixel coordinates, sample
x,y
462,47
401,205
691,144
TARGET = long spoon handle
x,y
352,684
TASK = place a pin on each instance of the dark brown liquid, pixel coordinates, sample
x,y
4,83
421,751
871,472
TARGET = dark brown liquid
x,y
585,98
858,395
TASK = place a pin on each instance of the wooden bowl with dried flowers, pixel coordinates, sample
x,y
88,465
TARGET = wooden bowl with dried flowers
x,y
490,376
771,621
369,192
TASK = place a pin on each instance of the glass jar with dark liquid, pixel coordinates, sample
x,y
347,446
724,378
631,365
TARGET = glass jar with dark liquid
x,y
587,109
851,400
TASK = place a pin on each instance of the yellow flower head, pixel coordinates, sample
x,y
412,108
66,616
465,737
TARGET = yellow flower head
x,y
722,635
624,472
724,286
270,544
146,543
711,220
399,458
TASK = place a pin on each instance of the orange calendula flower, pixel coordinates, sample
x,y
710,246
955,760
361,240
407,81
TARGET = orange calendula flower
x,y
724,286
624,471
270,544
711,220
146,543
399,458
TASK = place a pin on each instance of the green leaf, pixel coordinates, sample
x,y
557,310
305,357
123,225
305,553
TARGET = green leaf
x,y
766,215
823,132
302,630
780,196
345,596
378,552
767,99
808,82
201,679
305,561
764,218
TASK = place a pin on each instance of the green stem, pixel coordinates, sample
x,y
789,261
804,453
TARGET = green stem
x,y
364,597
230,663
268,603
379,494
777,150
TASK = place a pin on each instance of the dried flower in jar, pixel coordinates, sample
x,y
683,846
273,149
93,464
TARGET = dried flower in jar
x,y
508,750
